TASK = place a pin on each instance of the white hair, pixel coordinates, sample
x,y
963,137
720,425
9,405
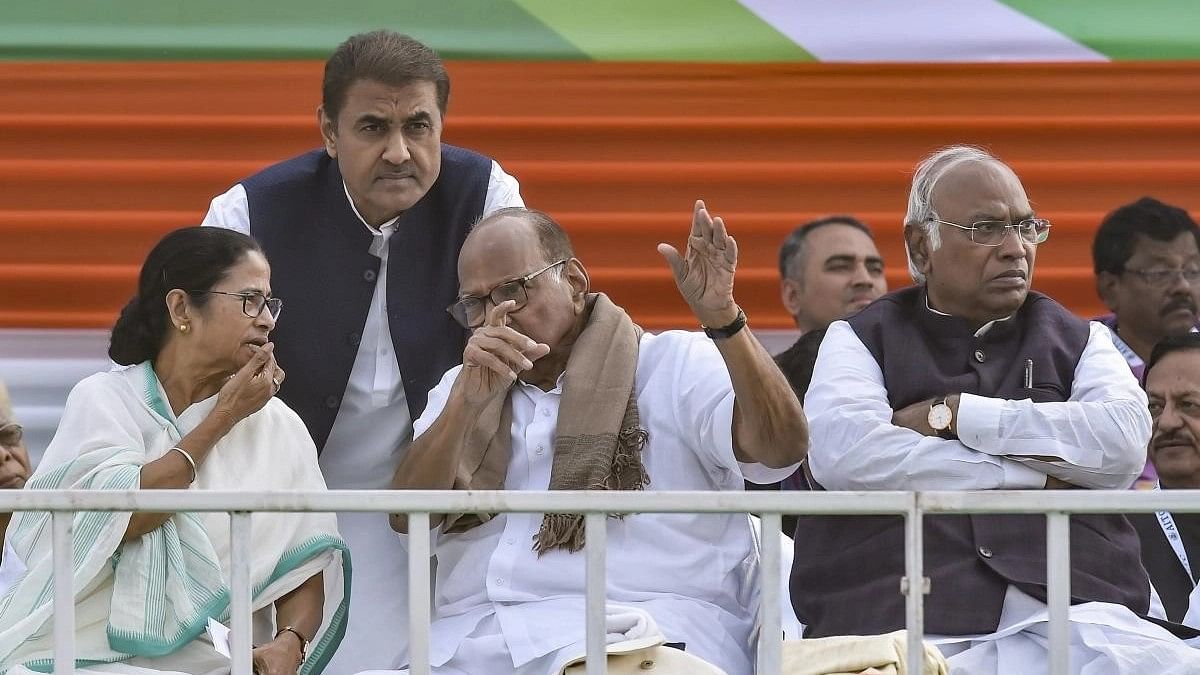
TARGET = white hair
x,y
920,195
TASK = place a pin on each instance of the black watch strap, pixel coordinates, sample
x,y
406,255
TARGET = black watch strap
x,y
729,330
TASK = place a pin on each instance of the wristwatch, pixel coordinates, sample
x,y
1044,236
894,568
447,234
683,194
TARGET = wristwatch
x,y
729,330
940,418
303,640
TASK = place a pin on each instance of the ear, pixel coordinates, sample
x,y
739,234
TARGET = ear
x,y
179,310
916,240
1107,284
578,281
328,131
791,293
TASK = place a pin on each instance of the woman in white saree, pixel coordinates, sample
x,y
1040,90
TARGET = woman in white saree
x,y
193,409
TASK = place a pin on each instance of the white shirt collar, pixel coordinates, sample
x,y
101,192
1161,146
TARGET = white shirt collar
x,y
383,229
982,329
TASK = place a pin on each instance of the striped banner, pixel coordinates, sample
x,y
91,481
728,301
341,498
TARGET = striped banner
x,y
614,30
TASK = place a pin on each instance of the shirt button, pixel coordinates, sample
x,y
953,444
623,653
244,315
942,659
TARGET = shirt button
x,y
332,402
541,450
499,581
370,275
985,551
510,541
545,412
354,338
979,355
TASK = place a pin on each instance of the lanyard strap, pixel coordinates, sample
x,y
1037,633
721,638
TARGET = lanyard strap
x,y
1131,358
1167,523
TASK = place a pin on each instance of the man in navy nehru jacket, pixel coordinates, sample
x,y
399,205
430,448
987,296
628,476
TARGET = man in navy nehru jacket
x,y
970,381
363,238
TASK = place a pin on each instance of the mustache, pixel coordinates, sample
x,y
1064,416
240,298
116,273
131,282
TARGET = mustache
x,y
1180,302
1172,439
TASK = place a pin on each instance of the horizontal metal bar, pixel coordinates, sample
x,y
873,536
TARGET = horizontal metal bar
x,y
564,501
1067,501
451,501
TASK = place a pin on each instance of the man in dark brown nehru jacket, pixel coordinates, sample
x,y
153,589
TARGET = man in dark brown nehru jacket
x,y
971,381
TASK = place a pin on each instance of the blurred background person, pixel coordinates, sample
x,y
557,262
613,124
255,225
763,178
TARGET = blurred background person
x,y
1147,264
1171,541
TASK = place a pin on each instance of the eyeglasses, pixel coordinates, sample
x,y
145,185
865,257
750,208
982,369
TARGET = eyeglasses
x,y
1163,277
470,311
252,302
992,232
11,434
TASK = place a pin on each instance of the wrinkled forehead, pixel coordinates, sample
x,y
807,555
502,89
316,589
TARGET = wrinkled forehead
x,y
1176,374
497,251
980,189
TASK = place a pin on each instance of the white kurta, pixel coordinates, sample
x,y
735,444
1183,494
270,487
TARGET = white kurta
x,y
369,436
1097,437
696,575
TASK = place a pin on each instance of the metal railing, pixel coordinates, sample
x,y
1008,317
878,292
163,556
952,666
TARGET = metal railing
x,y
913,506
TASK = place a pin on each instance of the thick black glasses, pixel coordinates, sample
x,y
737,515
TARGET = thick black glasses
x,y
253,303
992,232
471,310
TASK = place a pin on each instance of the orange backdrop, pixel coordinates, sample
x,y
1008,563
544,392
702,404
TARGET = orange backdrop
x,y
99,159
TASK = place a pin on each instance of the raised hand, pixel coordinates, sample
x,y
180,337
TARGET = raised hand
x,y
704,273
495,355
251,387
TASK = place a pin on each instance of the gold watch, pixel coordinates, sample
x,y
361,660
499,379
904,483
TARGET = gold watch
x,y
940,419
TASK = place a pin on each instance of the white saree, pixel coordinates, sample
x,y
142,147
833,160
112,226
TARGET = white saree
x,y
143,606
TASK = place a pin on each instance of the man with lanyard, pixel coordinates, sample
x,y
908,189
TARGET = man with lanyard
x,y
1171,541
363,235
971,381
1147,263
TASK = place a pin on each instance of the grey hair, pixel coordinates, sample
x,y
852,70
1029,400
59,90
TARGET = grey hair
x,y
929,171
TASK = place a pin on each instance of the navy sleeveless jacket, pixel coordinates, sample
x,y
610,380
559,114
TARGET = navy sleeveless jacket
x,y
846,576
321,267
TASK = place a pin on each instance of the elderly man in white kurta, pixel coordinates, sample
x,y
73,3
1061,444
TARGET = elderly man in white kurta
x,y
971,381
561,390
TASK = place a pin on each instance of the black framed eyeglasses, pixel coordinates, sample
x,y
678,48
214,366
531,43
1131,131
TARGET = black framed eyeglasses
x,y
992,232
471,310
1163,277
11,434
252,303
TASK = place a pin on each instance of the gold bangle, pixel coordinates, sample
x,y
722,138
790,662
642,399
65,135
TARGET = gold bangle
x,y
191,462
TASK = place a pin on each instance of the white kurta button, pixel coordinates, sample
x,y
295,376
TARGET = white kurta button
x,y
541,450
545,412
499,581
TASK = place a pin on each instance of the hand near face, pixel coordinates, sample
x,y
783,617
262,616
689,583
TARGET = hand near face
x,y
252,386
704,273
495,355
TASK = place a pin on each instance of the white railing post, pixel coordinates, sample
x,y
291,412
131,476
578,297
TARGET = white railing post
x,y
63,553
1058,588
418,593
241,637
770,636
596,533
914,586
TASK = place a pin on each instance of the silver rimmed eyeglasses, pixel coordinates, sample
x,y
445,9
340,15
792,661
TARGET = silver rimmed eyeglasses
x,y
252,303
470,311
1161,278
992,232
